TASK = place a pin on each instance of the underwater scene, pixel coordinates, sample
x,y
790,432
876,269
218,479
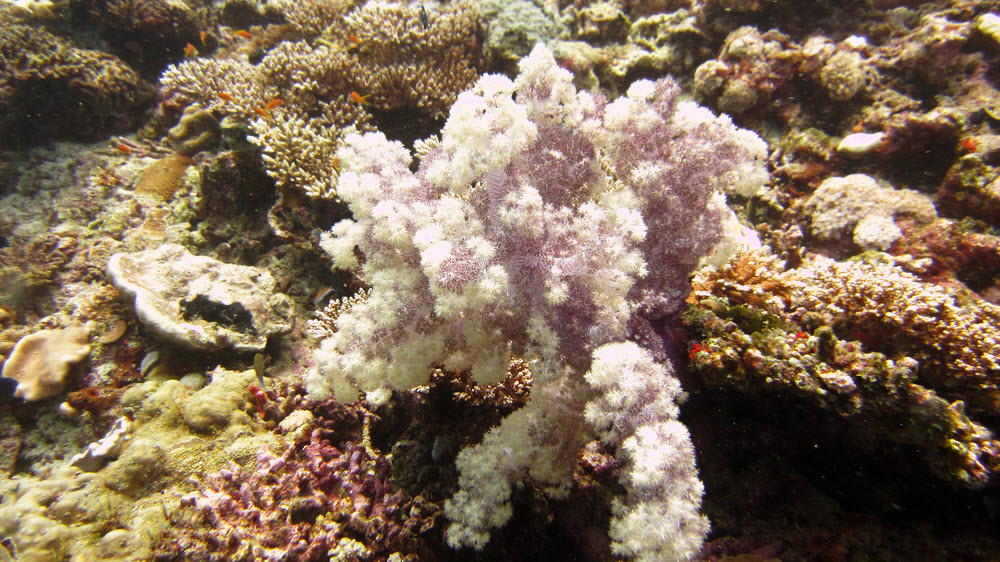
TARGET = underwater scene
x,y
499,280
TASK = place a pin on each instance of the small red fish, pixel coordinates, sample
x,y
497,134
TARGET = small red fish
x,y
354,39
226,96
189,50
970,144
243,33
202,35
273,104
358,98
336,164
124,148
261,112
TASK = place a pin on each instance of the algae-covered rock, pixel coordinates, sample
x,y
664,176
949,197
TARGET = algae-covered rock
x,y
139,467
201,303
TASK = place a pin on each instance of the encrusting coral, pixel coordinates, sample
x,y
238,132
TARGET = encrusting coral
x,y
543,223
40,362
197,302
921,361
48,87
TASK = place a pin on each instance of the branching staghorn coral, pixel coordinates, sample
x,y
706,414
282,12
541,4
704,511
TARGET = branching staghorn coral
x,y
381,53
542,224
302,505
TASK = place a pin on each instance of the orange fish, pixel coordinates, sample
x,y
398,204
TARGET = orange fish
x,y
202,35
189,50
354,39
336,164
358,98
226,96
261,112
273,104
124,148
243,33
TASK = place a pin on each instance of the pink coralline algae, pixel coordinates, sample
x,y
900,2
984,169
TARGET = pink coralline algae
x,y
312,503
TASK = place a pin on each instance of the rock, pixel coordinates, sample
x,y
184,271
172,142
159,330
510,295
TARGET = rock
x,y
139,466
109,446
201,303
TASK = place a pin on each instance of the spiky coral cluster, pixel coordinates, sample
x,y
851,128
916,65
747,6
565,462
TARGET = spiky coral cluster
x,y
79,92
304,505
768,332
381,53
542,224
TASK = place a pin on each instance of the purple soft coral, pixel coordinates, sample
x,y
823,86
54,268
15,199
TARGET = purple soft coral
x,y
302,505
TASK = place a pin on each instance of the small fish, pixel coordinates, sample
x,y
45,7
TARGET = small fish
x,y
273,104
336,164
358,98
354,39
124,148
202,35
189,50
258,368
423,17
261,112
226,96
243,33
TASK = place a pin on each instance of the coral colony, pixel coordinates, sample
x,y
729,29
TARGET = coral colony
x,y
357,281
546,224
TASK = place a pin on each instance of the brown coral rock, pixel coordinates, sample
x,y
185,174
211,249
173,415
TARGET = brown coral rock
x,y
161,179
41,361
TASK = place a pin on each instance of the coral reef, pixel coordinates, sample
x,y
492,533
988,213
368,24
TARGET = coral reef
x,y
513,333
801,333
